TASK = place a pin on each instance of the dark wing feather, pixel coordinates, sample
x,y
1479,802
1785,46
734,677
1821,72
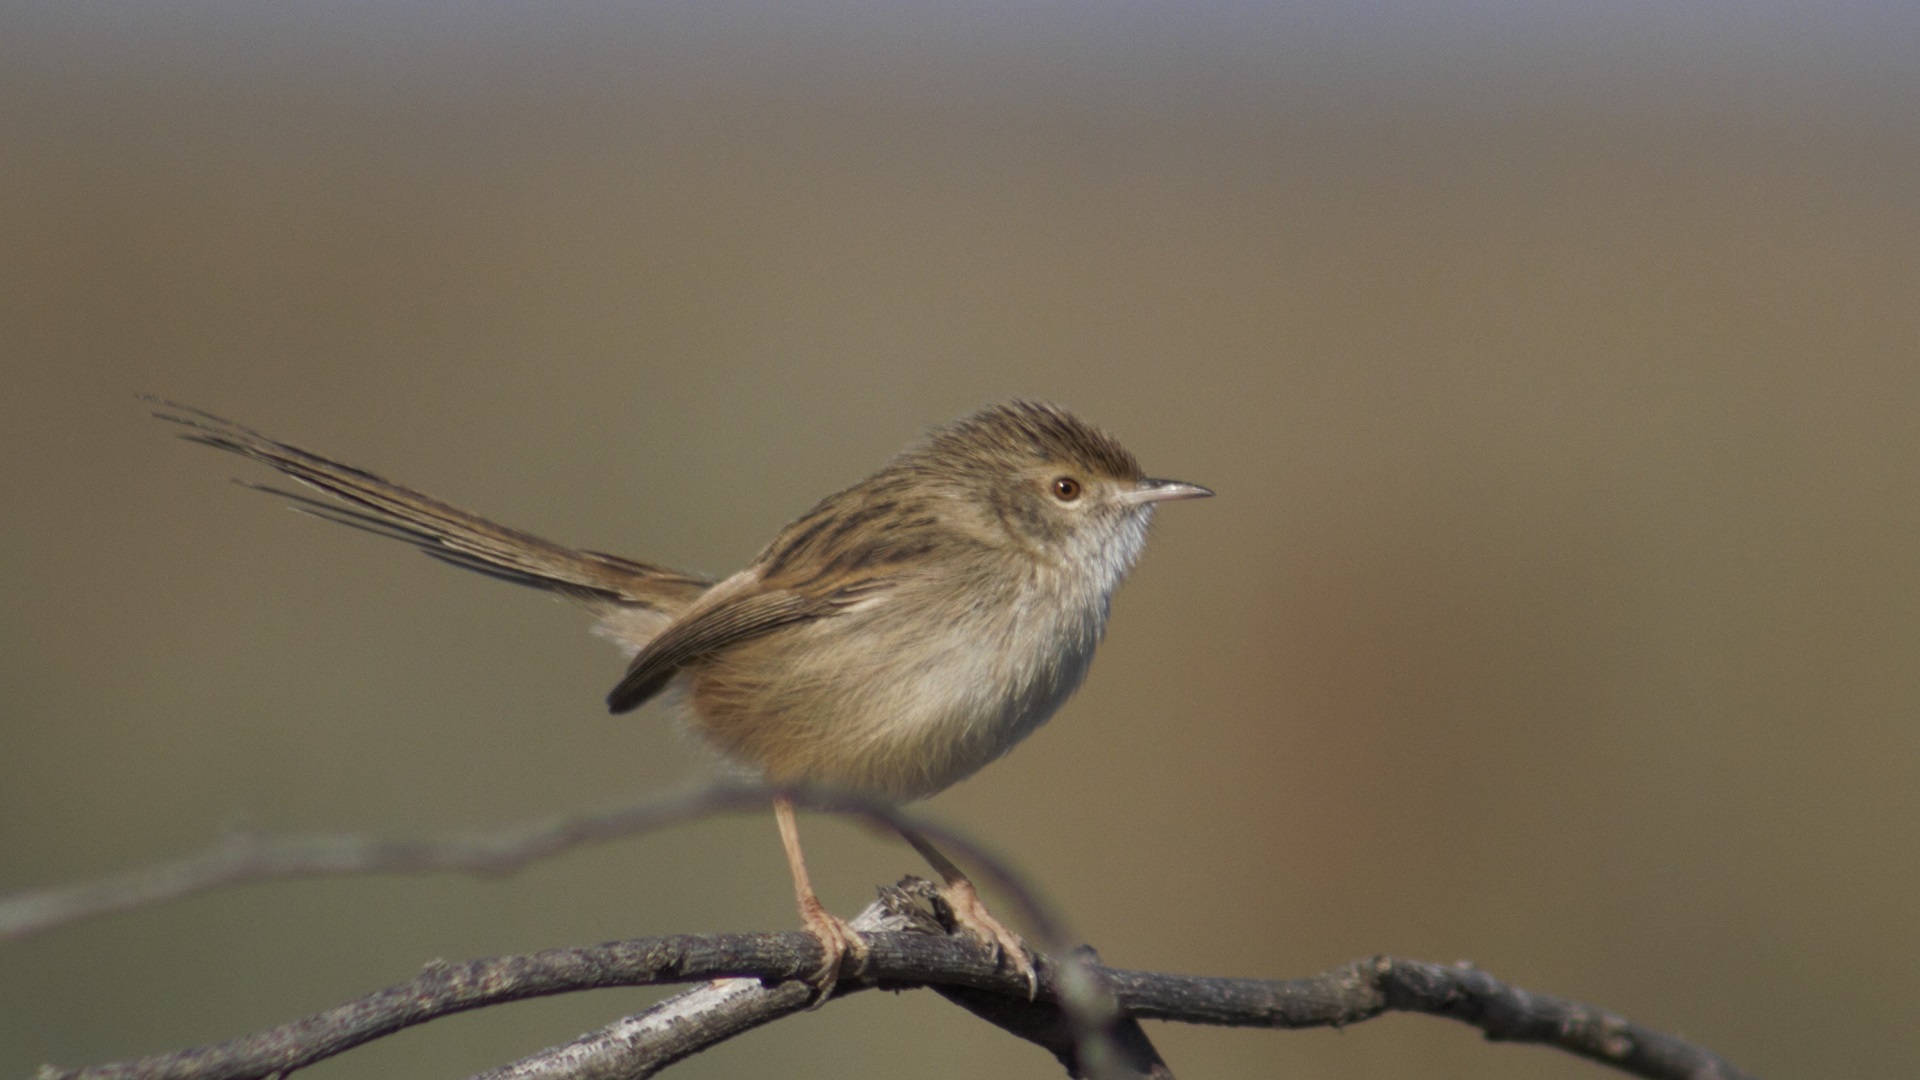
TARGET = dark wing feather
x,y
730,621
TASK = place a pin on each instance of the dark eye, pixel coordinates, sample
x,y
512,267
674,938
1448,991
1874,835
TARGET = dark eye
x,y
1066,489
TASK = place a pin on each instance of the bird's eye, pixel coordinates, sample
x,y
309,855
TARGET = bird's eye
x,y
1066,489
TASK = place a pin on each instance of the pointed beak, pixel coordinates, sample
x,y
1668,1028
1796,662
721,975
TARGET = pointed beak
x,y
1154,491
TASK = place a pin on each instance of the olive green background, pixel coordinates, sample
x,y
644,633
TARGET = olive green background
x,y
1559,373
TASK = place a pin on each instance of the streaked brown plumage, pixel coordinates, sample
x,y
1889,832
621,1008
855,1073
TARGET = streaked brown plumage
x,y
893,640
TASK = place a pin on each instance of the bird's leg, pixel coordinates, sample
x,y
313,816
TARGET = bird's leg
x,y
970,912
838,941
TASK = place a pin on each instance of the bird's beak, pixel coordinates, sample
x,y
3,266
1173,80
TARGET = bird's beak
x,y
1153,491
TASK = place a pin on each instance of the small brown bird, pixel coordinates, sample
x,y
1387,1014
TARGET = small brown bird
x,y
892,641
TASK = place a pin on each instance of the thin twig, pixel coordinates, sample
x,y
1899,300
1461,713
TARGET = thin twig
x,y
243,858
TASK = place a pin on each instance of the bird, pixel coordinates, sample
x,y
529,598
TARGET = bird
x,y
890,642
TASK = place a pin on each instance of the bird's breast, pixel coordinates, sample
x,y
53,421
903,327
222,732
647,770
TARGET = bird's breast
x,y
903,697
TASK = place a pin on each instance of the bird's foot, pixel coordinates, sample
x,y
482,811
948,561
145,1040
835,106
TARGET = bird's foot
x,y
971,914
840,944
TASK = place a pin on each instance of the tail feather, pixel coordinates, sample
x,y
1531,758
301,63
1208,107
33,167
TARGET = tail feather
x,y
447,533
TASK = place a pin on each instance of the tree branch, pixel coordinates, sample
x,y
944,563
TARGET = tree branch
x,y
640,1045
763,973
241,858
1087,1015
1125,1050
685,1024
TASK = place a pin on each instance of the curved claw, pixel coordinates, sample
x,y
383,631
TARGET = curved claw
x,y
839,943
971,914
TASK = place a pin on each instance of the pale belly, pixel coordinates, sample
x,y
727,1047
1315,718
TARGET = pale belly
x,y
825,705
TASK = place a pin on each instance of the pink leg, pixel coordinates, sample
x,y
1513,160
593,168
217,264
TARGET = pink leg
x,y
839,942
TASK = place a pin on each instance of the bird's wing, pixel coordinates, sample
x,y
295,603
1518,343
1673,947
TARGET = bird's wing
x,y
380,506
748,612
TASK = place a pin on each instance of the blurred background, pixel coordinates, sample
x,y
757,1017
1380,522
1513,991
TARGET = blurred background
x,y
1558,367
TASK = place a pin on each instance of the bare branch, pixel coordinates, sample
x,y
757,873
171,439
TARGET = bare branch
x,y
641,1045
241,859
244,859
1085,1014
763,973
1373,987
1126,1048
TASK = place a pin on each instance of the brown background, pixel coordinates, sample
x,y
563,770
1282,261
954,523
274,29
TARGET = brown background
x,y
1558,372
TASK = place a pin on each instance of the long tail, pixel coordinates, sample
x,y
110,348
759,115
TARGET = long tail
x,y
603,582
